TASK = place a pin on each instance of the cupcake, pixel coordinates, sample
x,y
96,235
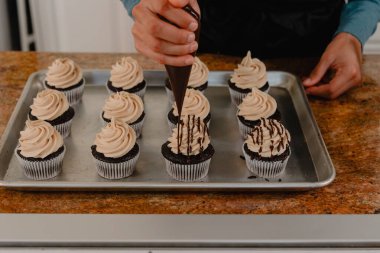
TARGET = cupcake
x,y
267,149
188,151
66,76
198,79
251,73
195,103
115,150
53,107
127,75
256,105
40,150
127,107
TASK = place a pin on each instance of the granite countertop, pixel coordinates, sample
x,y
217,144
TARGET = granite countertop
x,y
350,127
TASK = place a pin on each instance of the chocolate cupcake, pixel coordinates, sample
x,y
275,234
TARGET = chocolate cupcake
x,y
53,107
198,79
127,75
267,149
115,150
188,151
195,103
127,107
40,150
251,73
66,76
256,105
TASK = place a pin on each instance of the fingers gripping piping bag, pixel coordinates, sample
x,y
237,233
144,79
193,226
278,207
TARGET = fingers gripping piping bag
x,y
179,76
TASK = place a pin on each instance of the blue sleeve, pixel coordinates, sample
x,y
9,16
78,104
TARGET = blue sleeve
x,y
129,4
359,18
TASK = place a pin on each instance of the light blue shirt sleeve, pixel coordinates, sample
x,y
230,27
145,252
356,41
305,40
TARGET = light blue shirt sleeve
x,y
359,18
129,4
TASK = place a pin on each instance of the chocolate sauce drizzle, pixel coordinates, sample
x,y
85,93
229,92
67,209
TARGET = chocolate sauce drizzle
x,y
257,135
193,124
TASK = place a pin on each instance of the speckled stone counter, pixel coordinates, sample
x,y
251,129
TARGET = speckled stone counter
x,y
350,127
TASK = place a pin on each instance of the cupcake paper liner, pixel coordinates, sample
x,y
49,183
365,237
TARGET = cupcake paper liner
x,y
265,169
237,97
64,128
41,170
244,130
139,93
172,126
187,172
74,96
116,170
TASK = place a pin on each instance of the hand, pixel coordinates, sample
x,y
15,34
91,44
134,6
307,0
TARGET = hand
x,y
343,55
161,41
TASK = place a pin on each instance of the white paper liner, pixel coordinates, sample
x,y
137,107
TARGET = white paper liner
x,y
74,96
265,169
116,170
237,97
137,126
244,130
187,172
172,126
64,128
139,93
41,170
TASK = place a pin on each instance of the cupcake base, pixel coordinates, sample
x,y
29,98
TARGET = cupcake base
x,y
246,126
137,125
266,167
237,94
139,89
74,93
42,168
116,168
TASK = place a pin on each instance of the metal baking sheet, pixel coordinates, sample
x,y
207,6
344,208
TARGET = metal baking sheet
x,y
309,165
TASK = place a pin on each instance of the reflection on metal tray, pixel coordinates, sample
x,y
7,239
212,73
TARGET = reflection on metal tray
x,y
309,165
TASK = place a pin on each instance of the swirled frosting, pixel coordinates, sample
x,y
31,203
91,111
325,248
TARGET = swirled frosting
x,y
199,74
116,139
251,72
256,105
39,139
123,105
126,73
63,73
49,104
195,103
269,138
193,137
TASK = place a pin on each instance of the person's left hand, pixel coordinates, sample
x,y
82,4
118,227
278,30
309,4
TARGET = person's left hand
x,y
344,57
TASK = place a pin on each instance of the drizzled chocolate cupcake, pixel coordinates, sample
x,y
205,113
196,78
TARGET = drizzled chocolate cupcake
x,y
115,150
66,76
40,150
256,105
127,75
127,107
251,73
267,149
53,107
198,79
188,151
195,103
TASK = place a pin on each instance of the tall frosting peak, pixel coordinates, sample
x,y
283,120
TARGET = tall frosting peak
x,y
126,73
63,73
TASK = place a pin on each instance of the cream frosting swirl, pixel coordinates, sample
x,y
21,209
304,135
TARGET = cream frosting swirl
x,y
116,139
63,73
49,104
126,73
195,103
194,137
39,139
251,72
256,105
199,74
123,105
269,138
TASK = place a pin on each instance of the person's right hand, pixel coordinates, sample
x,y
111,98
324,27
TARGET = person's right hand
x,y
161,41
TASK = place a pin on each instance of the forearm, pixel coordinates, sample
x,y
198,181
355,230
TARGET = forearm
x,y
129,4
360,18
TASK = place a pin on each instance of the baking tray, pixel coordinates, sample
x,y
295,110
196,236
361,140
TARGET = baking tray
x,y
309,165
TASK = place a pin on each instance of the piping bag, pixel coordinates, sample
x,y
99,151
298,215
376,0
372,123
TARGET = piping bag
x,y
179,76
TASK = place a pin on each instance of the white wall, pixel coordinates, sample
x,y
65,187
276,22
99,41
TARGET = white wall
x,y
82,26
373,44
5,40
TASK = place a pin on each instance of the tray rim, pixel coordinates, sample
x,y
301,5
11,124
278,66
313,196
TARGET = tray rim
x,y
151,186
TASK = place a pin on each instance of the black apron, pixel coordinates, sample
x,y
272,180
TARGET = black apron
x,y
269,28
